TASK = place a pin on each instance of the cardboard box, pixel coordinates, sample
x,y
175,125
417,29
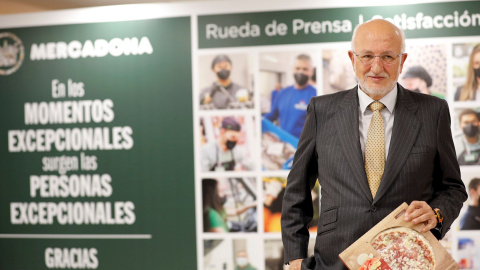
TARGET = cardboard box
x,y
389,236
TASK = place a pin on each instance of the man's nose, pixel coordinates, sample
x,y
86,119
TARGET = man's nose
x,y
377,65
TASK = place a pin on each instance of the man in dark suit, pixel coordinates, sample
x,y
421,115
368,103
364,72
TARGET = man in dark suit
x,y
363,180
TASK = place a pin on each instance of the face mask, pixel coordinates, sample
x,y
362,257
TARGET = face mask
x,y
476,71
231,144
223,199
242,261
301,78
470,130
223,74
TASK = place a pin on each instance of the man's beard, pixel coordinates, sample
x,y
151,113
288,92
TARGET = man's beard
x,y
377,91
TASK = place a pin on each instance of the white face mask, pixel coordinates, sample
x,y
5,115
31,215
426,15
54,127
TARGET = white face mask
x,y
242,261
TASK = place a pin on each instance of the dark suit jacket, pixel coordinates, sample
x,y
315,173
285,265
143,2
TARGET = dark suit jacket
x,y
421,165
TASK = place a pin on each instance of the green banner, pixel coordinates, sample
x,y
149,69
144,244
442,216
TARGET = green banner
x,y
96,171
335,24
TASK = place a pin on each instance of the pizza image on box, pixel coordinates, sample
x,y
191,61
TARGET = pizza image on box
x,y
404,248
397,244
375,264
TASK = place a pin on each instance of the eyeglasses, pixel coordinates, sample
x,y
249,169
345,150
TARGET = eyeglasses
x,y
367,58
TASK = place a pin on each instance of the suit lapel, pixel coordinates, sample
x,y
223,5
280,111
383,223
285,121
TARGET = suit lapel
x,y
346,118
405,130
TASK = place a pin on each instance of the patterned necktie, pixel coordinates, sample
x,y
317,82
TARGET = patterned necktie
x,y
375,148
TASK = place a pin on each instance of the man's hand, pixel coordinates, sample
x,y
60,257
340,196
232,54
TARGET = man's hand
x,y
420,212
295,264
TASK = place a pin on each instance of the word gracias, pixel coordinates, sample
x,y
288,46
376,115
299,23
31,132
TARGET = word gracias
x,y
76,258
98,48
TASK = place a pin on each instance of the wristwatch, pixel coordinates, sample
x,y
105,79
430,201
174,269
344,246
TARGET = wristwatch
x,y
438,215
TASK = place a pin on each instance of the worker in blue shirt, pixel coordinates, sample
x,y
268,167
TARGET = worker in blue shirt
x,y
290,104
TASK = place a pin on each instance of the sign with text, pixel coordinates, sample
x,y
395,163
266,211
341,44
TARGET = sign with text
x,y
86,181
335,24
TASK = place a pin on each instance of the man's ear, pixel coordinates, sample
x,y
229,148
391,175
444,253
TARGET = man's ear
x,y
352,58
403,58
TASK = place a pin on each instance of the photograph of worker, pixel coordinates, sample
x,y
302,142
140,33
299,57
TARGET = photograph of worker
x,y
424,72
227,143
273,190
468,252
469,217
247,255
225,81
466,71
229,205
426,69
235,254
274,256
466,135
287,82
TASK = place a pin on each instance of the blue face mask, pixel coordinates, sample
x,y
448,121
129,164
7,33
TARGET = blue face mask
x,y
242,261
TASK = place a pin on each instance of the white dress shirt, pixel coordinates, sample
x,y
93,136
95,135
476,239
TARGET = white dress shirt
x,y
365,116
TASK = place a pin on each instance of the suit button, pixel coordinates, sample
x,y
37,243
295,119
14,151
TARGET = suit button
x,y
373,208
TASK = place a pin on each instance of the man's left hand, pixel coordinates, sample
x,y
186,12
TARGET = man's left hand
x,y
421,212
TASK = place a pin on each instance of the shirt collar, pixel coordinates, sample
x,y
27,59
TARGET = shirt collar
x,y
472,146
388,100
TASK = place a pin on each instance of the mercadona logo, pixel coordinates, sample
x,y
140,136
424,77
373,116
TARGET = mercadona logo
x,y
12,53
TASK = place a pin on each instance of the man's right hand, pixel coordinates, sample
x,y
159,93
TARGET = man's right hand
x,y
295,264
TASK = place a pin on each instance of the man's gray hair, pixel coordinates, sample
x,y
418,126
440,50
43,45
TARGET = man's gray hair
x,y
400,30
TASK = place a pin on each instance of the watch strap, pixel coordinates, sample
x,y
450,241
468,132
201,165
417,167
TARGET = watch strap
x,y
438,215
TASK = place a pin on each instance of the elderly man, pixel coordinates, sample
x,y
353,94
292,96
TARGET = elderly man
x,y
371,148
